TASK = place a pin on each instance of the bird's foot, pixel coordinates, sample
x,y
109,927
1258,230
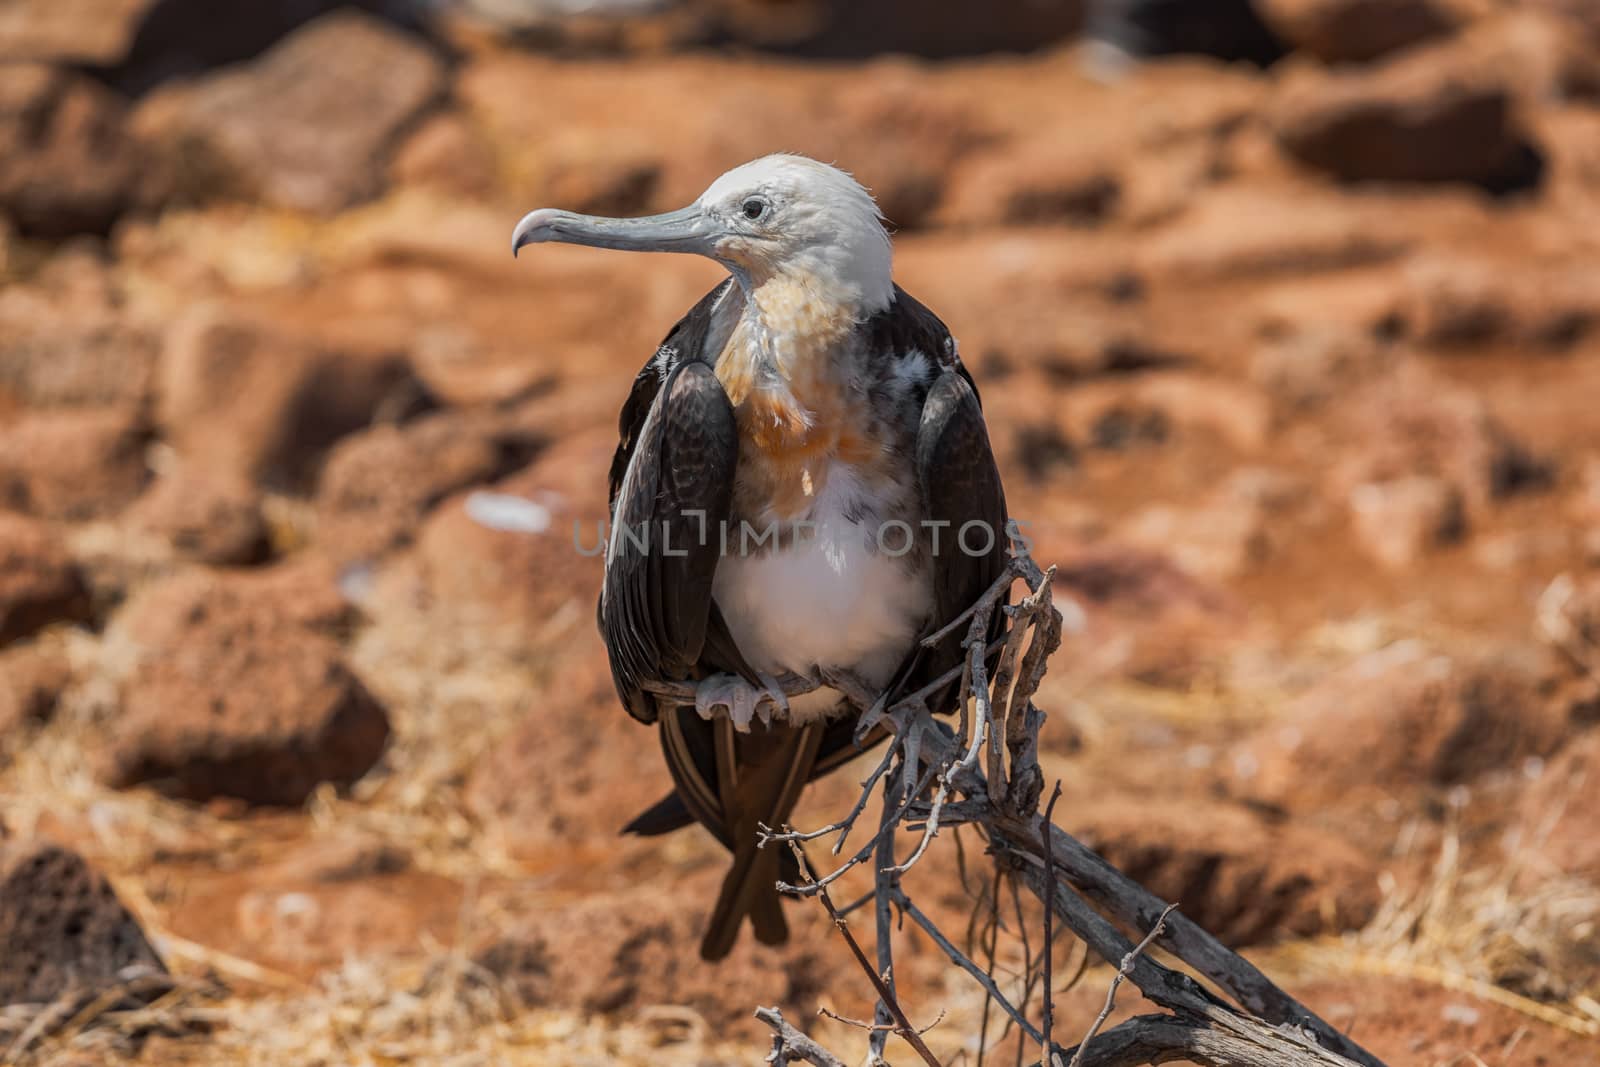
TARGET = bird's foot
x,y
741,702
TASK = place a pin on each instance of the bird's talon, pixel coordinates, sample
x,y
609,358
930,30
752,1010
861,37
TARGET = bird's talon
x,y
740,702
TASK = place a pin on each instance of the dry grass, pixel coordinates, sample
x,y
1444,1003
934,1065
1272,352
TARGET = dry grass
x,y
1510,933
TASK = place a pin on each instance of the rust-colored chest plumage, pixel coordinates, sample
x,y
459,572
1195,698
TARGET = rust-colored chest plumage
x,y
798,375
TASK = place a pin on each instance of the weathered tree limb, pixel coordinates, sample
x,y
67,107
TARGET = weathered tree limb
x,y
1131,904
789,1044
991,763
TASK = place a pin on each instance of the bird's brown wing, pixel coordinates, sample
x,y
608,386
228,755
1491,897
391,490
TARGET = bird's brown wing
x,y
960,490
671,490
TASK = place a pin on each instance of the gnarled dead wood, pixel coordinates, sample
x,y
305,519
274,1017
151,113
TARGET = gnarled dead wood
x,y
990,763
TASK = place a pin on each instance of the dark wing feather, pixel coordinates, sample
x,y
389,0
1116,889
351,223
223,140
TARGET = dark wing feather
x,y
656,603
685,341
960,488
671,487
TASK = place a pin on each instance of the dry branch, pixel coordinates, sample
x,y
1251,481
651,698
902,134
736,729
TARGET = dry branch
x,y
789,1044
990,762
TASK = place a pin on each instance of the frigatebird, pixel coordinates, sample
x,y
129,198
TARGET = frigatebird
x,y
804,480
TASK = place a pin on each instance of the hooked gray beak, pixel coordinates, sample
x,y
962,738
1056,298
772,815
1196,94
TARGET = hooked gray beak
x,y
684,230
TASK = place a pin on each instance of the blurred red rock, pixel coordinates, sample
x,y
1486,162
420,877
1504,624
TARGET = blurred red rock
x,y
72,464
1431,114
1038,184
1238,876
1412,423
301,593
1394,720
524,554
244,400
67,161
1239,232
79,32
1313,365
445,154
239,691
309,125
204,516
1559,808
569,147
1343,31
67,342
1400,520
38,582
1457,302
617,956
613,756
378,484
32,678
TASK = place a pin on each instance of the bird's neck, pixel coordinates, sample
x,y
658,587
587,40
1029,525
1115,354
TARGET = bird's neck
x,y
781,365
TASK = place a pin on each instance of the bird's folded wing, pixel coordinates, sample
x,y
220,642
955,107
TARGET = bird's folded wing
x,y
655,606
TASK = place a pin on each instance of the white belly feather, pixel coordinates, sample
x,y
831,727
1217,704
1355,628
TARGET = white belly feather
x,y
830,598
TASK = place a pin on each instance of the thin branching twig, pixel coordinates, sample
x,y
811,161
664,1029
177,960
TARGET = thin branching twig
x,y
1124,969
1049,935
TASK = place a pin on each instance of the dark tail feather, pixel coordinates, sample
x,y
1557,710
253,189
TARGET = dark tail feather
x,y
766,793
664,816
750,888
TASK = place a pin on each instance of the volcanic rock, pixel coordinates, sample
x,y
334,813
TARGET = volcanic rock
x,y
312,123
205,517
1233,873
1567,791
38,582
1354,31
617,954
1433,114
1459,302
72,346
526,550
67,162
1412,423
63,927
244,400
378,484
1399,520
78,32
1311,366
445,153
240,691
72,464
1395,719
32,678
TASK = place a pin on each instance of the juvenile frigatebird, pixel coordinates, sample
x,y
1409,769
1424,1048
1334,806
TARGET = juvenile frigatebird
x,y
804,480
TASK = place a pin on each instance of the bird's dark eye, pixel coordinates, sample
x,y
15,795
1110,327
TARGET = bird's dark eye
x,y
754,208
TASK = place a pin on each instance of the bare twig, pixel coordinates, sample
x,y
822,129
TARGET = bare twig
x,y
876,1027
885,994
884,881
1124,969
1049,935
960,959
844,825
